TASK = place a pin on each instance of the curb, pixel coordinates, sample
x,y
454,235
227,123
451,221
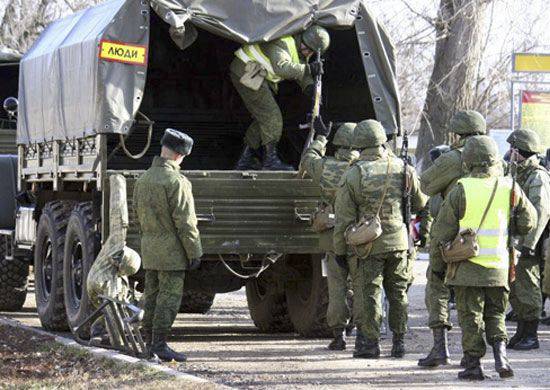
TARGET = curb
x,y
113,355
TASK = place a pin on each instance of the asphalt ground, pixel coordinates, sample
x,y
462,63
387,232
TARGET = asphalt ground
x,y
225,347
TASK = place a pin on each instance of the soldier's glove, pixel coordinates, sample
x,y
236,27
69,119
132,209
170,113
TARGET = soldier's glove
x,y
194,264
316,69
527,252
342,262
320,127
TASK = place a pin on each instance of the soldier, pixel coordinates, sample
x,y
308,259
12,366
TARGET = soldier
x,y
170,241
526,297
481,202
439,179
327,172
371,188
255,73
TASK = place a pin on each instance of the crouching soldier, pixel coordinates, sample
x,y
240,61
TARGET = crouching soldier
x,y
477,211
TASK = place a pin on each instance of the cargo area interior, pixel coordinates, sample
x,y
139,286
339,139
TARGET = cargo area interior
x,y
190,90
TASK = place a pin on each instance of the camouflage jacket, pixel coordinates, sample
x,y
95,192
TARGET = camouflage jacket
x,y
534,180
447,225
327,172
444,173
360,193
165,207
428,213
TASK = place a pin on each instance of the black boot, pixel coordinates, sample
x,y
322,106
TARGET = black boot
x,y
339,342
398,345
249,160
516,338
369,349
163,351
272,161
530,339
502,365
473,371
439,355
349,328
545,321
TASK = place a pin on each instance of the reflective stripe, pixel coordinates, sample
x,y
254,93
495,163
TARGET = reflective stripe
x,y
488,251
490,232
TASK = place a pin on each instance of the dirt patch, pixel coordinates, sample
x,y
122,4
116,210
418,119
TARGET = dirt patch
x,y
28,360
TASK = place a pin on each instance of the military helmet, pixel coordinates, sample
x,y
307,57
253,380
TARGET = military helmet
x,y
316,38
368,134
526,140
129,263
468,122
344,135
480,151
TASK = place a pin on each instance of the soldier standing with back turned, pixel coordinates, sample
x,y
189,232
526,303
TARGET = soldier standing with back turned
x,y
374,186
170,241
481,202
440,179
327,172
526,297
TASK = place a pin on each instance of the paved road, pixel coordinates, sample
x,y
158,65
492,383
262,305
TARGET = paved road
x,y
225,347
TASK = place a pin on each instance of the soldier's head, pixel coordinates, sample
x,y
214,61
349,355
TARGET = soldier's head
x,y
368,134
129,262
437,151
175,145
480,151
524,144
343,137
468,122
314,38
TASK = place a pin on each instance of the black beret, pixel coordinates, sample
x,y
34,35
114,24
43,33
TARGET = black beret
x,y
177,141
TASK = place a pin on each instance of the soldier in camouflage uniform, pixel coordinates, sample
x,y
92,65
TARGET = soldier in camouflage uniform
x,y
283,59
534,180
481,282
440,179
170,241
327,172
375,182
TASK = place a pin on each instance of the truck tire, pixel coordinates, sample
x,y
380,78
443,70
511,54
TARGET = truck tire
x,y
307,302
48,265
81,248
196,302
267,308
13,280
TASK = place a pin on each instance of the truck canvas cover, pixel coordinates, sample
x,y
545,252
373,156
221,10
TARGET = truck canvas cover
x,y
86,73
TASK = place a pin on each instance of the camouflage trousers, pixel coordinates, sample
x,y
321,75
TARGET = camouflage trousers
x,y
162,299
437,295
525,294
338,311
267,124
389,271
481,311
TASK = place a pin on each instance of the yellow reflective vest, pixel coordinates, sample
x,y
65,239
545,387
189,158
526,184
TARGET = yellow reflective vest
x,y
254,53
493,235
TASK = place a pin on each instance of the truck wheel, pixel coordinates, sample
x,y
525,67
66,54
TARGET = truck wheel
x,y
196,302
267,308
81,246
13,280
307,301
48,265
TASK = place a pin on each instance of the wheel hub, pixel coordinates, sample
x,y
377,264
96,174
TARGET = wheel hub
x,y
76,272
47,269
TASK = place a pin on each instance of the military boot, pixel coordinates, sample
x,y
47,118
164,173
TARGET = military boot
x,y
398,345
473,371
272,161
439,355
163,351
249,160
369,349
339,341
502,365
516,338
530,339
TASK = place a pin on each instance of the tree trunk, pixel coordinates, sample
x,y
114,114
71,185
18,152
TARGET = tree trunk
x,y
459,32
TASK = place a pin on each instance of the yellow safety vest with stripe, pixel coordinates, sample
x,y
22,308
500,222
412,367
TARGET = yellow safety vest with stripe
x,y
493,235
254,53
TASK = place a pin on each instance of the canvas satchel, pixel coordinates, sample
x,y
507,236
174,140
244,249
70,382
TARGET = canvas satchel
x,y
323,219
465,245
254,75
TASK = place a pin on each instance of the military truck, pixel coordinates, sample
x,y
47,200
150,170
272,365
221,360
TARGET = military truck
x,y
96,92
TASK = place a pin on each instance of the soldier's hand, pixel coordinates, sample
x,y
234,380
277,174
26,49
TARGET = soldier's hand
x,y
194,264
320,127
342,261
316,69
527,252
